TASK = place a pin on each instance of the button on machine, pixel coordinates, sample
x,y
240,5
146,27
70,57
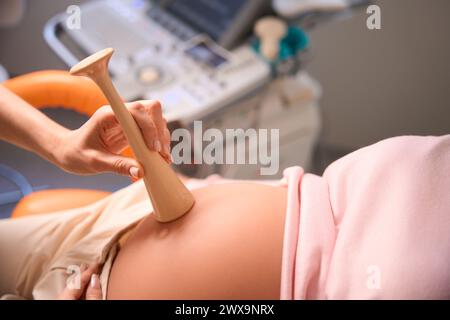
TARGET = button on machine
x,y
149,75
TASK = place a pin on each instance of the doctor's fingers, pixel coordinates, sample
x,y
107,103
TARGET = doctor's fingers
x,y
148,116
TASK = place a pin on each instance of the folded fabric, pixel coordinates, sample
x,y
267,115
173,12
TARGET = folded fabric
x,y
375,226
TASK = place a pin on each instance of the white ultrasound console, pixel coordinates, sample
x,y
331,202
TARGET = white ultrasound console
x,y
170,53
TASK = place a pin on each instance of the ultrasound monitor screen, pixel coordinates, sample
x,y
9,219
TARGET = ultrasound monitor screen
x,y
212,17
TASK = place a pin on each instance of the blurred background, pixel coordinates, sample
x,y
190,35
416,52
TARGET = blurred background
x,y
377,84
373,84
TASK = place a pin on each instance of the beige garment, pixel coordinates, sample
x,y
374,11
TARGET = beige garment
x,y
36,251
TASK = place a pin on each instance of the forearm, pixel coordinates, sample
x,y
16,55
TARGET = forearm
x,y
27,127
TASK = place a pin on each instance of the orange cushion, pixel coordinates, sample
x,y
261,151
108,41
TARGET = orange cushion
x,y
47,201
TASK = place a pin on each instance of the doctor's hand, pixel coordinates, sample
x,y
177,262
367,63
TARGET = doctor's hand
x,y
95,147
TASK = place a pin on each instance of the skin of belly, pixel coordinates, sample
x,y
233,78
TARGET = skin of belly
x,y
229,246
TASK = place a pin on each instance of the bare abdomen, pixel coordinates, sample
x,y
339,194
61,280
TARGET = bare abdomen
x,y
228,247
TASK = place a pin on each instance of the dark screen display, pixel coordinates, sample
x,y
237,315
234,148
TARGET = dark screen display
x,y
212,17
205,54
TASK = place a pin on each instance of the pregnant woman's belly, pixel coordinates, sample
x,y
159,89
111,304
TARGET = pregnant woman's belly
x,y
228,247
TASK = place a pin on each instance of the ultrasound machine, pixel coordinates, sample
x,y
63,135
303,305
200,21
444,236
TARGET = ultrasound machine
x,y
189,54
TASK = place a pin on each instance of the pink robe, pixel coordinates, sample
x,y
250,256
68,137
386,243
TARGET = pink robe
x,y
376,225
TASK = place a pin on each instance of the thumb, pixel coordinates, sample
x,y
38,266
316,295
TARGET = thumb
x,y
122,165
94,290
